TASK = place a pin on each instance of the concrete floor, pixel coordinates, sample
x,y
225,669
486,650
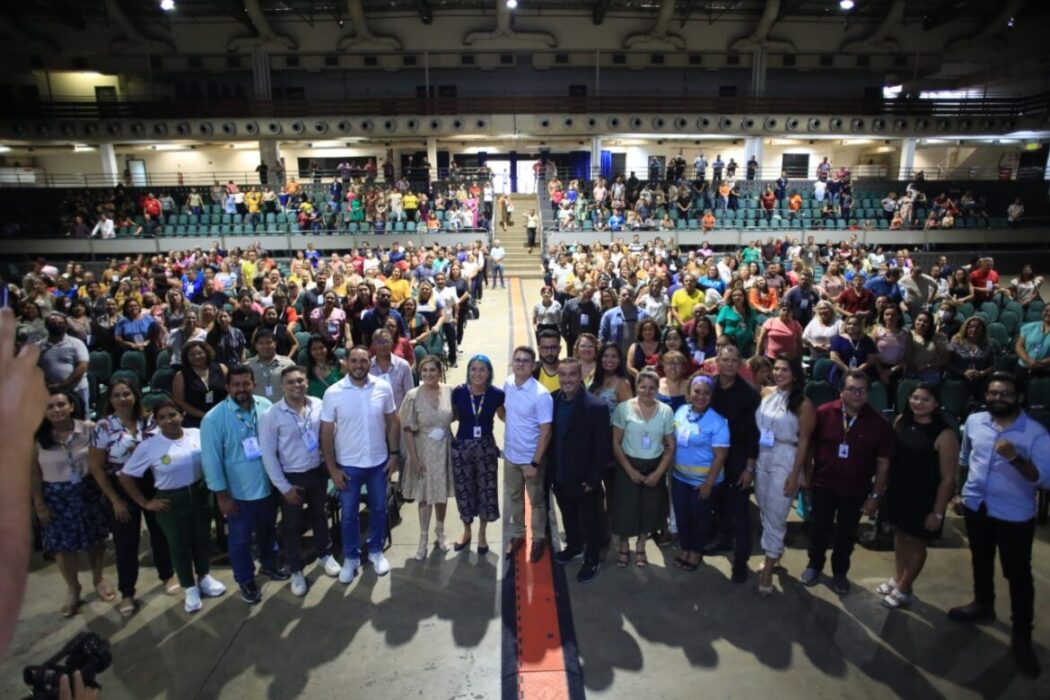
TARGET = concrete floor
x,y
434,628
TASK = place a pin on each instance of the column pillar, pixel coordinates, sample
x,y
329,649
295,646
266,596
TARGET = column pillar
x,y
907,159
270,153
432,156
758,72
755,146
596,156
110,170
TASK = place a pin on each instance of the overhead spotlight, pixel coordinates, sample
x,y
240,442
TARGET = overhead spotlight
x,y
1010,23
167,5
846,4
512,4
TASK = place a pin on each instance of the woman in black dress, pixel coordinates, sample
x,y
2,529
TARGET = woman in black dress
x,y
201,383
921,484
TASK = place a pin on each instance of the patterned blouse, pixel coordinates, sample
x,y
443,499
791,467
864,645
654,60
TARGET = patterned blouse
x,y
111,435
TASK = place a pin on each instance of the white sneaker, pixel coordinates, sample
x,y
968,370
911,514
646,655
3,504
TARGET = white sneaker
x,y
896,599
348,570
210,587
331,566
193,599
379,563
298,583
884,589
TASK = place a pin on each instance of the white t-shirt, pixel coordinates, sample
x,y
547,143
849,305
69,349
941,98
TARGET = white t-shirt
x,y
359,415
497,254
446,298
176,464
528,407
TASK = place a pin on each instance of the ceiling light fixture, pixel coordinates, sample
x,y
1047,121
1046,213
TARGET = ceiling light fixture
x,y
167,5
846,4
512,4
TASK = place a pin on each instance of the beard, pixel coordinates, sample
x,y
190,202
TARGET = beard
x,y
1001,409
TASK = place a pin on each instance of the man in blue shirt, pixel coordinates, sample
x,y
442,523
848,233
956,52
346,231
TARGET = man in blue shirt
x,y
619,324
616,221
885,285
1007,455
233,468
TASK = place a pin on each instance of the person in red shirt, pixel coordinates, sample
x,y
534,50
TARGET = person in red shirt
x,y
151,206
769,202
794,204
852,443
985,281
855,300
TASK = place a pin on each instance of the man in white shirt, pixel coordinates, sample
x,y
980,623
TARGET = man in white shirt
x,y
359,438
529,411
820,190
104,228
447,299
290,443
560,273
496,255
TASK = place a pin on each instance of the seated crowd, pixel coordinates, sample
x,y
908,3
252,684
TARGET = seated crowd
x,y
831,201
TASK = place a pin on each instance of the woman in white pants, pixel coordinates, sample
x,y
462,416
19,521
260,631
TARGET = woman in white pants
x,y
785,422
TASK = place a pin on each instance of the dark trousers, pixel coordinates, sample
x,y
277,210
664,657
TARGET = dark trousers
x,y
838,514
583,525
313,488
734,521
258,518
451,331
187,525
126,539
693,515
1014,542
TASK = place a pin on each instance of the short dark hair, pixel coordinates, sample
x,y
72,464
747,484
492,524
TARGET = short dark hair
x,y
238,370
547,334
857,374
294,368
1005,377
531,352
263,334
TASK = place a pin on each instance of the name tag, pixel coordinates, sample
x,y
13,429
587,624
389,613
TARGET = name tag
x,y
765,438
698,356
988,284
683,436
333,327
209,397
585,319
647,442
803,303
843,451
251,447
436,434
310,441
139,338
852,363
268,390
74,477
477,431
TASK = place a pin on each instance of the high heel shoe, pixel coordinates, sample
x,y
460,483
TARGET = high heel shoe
x,y
439,533
421,553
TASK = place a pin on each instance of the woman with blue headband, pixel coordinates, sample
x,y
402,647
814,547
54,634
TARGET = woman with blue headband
x,y
474,453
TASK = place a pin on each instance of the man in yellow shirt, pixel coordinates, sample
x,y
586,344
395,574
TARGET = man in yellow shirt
x,y
546,373
684,299
253,200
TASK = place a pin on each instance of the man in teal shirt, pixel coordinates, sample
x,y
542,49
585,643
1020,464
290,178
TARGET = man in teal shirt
x,y
233,469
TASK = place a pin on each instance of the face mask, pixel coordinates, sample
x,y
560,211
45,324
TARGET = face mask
x,y
55,328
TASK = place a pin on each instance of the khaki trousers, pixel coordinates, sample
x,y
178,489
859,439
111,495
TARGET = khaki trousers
x,y
514,485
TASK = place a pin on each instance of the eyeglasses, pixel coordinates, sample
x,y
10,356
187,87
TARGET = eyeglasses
x,y
855,389
1000,394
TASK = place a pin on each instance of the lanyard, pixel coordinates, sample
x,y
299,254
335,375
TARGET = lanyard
x,y
303,425
249,424
846,426
479,408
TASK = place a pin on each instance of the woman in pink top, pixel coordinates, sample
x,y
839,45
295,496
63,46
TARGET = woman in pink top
x,y
780,335
893,344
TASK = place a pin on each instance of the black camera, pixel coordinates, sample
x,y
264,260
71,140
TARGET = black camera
x,y
87,653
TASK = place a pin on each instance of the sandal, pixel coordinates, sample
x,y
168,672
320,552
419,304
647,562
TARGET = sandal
x,y
72,605
105,591
127,607
623,559
640,559
172,587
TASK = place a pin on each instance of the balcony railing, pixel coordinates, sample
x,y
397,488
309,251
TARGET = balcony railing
x,y
516,104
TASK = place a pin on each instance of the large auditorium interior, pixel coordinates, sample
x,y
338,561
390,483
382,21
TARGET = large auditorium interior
x,y
522,349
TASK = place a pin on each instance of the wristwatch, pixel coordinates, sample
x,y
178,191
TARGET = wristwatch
x,y
939,516
875,496
394,452
534,465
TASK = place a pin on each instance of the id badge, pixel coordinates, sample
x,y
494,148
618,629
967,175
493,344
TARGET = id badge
x,y
310,441
843,451
853,363
477,431
683,437
333,327
585,319
803,303
268,390
766,439
74,477
209,397
988,284
647,442
251,447
698,356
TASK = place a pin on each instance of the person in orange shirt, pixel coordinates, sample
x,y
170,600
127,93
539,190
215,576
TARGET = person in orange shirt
x,y
794,204
723,195
762,297
292,187
708,220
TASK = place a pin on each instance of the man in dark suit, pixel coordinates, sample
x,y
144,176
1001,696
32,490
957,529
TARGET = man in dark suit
x,y
580,315
579,451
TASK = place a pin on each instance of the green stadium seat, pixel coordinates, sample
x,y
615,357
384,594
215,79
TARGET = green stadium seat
x,y
991,309
904,388
822,369
955,395
100,364
878,397
162,380
135,361
820,393
998,331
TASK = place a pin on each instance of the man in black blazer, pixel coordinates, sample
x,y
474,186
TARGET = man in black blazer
x,y
579,452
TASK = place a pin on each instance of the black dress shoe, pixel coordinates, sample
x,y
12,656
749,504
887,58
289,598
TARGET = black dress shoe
x,y
536,553
516,543
739,574
1024,654
276,573
460,546
588,572
568,554
974,612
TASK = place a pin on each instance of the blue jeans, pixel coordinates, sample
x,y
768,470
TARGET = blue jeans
x,y
497,271
253,517
694,516
374,481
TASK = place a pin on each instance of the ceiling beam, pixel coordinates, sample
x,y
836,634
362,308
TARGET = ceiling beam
x,y
426,14
600,8
235,10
